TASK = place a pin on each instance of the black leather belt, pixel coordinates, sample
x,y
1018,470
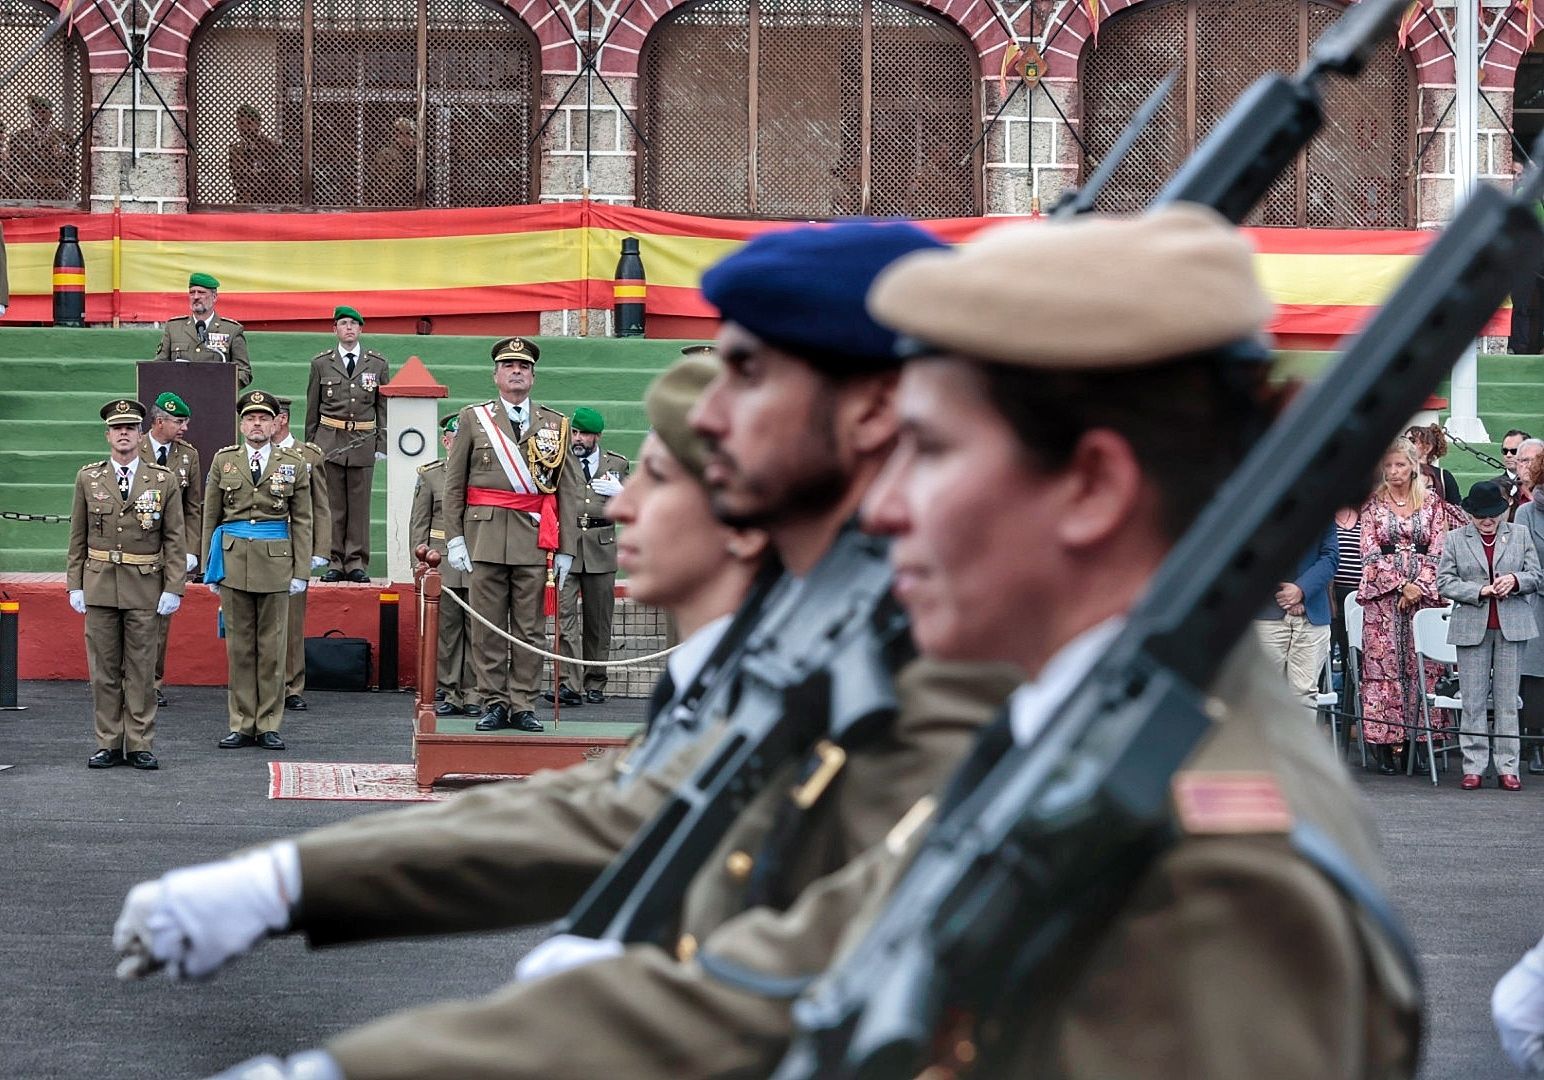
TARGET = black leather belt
x,y
588,522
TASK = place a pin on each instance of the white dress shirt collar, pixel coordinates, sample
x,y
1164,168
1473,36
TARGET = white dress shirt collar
x,y
1034,703
262,453
691,654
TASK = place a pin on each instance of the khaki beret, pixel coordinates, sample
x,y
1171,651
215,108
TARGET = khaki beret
x,y
669,401
123,411
1097,293
256,401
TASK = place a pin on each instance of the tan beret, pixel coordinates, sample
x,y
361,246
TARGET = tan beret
x,y
669,401
1099,292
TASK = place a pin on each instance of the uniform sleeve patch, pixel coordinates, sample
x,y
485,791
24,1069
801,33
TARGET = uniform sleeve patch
x,y
1210,803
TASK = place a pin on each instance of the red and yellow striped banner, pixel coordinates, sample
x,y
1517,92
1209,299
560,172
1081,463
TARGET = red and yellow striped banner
x,y
295,267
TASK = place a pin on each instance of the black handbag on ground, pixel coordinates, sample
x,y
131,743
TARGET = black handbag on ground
x,y
335,662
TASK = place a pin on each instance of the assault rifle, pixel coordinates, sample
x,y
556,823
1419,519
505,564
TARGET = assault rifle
x,y
1040,854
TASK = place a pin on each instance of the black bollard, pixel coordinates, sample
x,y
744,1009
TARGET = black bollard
x,y
630,291
69,279
10,620
388,679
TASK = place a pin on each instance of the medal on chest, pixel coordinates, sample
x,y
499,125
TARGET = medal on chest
x,y
283,474
147,507
368,380
220,343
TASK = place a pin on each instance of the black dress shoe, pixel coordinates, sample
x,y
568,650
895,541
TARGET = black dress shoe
x,y
439,695
296,703
333,575
495,719
143,759
445,708
473,709
569,699
104,759
526,721
235,740
595,697
269,740
360,576
160,699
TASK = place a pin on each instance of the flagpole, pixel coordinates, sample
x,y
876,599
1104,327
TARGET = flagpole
x,y
1464,420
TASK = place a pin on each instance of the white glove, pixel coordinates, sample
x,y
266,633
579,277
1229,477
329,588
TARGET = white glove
x,y
78,601
318,561
606,484
561,564
563,953
455,554
307,1065
192,562
379,456
213,586
2,310
298,585
1517,1007
191,921
168,604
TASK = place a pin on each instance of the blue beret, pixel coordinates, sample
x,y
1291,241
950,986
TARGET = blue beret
x,y
803,290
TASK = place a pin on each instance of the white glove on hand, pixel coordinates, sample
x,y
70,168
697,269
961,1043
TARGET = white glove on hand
x,y
307,1065
561,564
1517,1007
192,562
191,921
564,952
455,554
606,484
78,601
318,561
297,585
213,586
168,604
379,456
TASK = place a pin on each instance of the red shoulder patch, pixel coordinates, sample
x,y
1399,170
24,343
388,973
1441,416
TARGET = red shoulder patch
x,y
1230,802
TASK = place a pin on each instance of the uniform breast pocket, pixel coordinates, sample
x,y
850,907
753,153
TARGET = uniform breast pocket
x,y
330,389
606,539
149,568
279,549
479,513
230,487
99,520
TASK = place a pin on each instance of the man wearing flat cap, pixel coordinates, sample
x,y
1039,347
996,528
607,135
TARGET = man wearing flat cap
x,y
257,524
346,417
456,681
125,572
512,492
321,548
203,336
163,445
592,579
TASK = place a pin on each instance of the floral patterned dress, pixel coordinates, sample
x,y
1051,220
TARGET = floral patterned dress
x,y
1396,550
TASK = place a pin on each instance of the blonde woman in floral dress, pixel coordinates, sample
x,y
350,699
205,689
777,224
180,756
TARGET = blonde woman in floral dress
x,y
1403,525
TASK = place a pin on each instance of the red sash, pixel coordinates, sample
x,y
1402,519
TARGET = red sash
x,y
545,505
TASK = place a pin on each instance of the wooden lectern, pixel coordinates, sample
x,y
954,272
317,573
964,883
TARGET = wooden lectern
x,y
210,391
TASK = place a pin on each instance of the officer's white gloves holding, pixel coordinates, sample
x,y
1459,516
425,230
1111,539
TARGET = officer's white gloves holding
x,y
192,562
193,920
564,952
379,456
607,485
561,564
297,585
1517,1007
455,554
168,604
318,561
78,601
213,586
307,1065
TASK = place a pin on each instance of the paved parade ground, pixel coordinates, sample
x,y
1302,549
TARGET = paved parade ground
x,y
73,841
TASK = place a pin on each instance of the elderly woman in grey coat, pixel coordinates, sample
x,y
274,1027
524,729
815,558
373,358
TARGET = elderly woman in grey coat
x,y
1530,516
1486,568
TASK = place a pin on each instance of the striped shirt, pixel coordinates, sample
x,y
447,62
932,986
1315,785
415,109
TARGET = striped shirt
x,y
1348,545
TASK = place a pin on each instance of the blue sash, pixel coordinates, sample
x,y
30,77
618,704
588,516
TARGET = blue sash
x,y
214,565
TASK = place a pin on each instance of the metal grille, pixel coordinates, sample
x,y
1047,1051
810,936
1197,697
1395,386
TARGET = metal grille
x,y
363,103
636,630
42,110
1355,173
808,108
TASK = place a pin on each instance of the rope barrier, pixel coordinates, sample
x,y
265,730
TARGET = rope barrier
x,y
543,653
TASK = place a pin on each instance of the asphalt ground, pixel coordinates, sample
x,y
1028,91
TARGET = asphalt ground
x,y
73,841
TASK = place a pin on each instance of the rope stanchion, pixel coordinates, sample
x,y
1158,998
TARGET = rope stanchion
x,y
543,653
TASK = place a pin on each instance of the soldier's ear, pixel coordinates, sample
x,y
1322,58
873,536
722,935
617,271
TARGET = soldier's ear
x,y
747,545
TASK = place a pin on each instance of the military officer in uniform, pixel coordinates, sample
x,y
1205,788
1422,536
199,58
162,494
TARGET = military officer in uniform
x,y
512,492
321,546
163,444
346,417
126,570
202,335
592,578
257,518
456,692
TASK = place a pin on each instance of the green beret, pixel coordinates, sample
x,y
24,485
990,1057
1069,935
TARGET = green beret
x,y
123,411
344,312
256,401
173,405
203,281
588,420
450,422
669,401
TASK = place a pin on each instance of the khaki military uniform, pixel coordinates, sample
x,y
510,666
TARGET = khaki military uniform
x,y
1234,957
591,581
227,344
321,545
456,676
182,460
346,417
254,595
508,566
124,553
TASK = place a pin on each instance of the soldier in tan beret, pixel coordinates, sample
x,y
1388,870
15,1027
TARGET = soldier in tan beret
x,y
202,335
126,570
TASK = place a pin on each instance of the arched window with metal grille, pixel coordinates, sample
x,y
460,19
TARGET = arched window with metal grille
x,y
42,109
809,108
362,103
1356,174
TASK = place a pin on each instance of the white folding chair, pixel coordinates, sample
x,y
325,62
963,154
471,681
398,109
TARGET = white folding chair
x,y
1327,702
1429,630
1352,683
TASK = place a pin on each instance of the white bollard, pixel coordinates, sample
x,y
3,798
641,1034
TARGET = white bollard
x,y
412,439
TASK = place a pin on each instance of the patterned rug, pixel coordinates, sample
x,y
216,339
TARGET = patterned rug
x,y
359,783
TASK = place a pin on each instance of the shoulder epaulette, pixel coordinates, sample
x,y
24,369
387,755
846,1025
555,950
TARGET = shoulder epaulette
x,y
313,446
554,412
324,354
179,318
94,465
377,355
292,450
157,468
432,465
228,449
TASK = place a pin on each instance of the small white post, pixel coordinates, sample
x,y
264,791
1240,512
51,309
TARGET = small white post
x,y
1464,415
412,439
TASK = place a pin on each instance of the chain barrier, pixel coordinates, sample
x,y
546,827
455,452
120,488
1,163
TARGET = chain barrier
x,y
17,515
1454,440
543,653
1428,729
